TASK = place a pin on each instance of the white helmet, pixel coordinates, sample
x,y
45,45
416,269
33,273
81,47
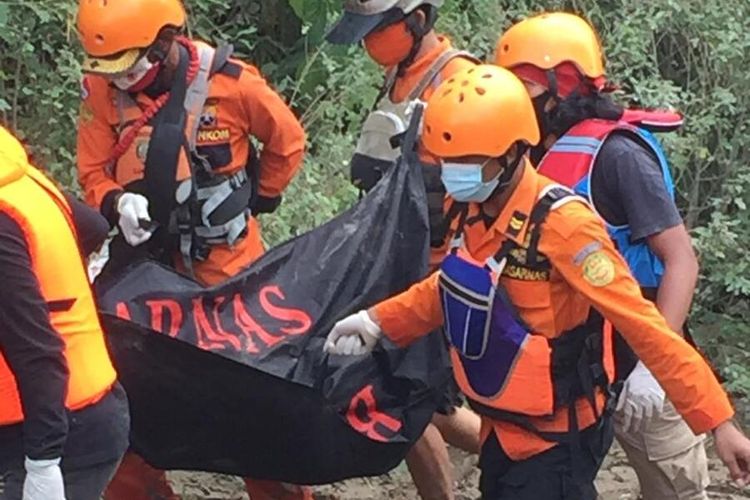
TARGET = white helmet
x,y
361,17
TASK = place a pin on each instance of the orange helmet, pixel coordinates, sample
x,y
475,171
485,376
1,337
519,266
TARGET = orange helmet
x,y
549,40
479,111
115,33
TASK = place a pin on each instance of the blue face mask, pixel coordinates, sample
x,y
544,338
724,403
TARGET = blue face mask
x,y
463,182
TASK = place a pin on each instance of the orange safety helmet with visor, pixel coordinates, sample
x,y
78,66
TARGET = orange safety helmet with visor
x,y
127,40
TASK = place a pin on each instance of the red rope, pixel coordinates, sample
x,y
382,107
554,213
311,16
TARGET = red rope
x,y
127,140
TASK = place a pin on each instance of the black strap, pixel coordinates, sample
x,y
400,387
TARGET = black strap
x,y
167,140
234,204
221,58
455,210
435,191
518,420
463,214
61,305
554,89
418,32
539,215
505,249
411,137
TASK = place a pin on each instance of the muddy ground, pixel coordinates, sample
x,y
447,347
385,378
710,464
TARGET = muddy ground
x,y
616,481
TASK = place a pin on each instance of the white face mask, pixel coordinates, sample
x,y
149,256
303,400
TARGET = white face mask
x,y
126,80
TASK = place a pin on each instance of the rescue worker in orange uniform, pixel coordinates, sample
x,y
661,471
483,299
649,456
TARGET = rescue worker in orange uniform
x,y
63,417
163,138
523,294
399,35
165,153
610,156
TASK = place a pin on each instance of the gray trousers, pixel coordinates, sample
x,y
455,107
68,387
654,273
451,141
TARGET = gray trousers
x,y
87,483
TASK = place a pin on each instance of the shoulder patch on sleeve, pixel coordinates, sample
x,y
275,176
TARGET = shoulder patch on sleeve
x,y
85,114
598,269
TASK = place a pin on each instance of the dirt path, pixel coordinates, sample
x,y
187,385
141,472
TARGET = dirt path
x,y
616,481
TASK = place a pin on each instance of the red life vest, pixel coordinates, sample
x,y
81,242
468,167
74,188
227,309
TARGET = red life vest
x,y
570,161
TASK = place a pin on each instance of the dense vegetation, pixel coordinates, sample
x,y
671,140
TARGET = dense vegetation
x,y
681,53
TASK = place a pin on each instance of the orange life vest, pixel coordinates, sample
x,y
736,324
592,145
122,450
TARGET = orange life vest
x,y
508,372
41,211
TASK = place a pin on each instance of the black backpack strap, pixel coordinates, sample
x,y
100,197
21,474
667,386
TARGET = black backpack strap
x,y
460,213
222,64
167,141
552,198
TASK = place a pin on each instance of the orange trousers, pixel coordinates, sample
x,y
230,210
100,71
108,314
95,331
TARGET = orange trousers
x,y
225,262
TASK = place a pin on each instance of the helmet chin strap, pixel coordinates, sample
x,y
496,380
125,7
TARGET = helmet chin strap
x,y
418,32
159,50
509,170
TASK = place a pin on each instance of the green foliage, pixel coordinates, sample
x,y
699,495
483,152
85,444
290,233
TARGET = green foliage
x,y
722,308
39,79
681,53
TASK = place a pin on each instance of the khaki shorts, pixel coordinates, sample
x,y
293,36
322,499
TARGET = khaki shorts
x,y
668,458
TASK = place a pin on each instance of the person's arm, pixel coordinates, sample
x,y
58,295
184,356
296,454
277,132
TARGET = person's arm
x,y
628,187
675,249
403,319
412,314
33,350
579,249
91,227
95,142
272,122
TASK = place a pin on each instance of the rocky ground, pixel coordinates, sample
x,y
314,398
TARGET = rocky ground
x,y
616,481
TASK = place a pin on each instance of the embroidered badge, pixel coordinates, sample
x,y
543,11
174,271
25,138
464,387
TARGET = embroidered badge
x,y
516,223
208,116
85,114
212,136
598,269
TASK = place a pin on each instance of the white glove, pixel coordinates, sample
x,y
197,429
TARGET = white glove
x,y
353,336
642,397
44,480
133,208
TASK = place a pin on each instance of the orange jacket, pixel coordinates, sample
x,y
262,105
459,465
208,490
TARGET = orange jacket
x,y
414,73
243,106
240,104
586,271
411,78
